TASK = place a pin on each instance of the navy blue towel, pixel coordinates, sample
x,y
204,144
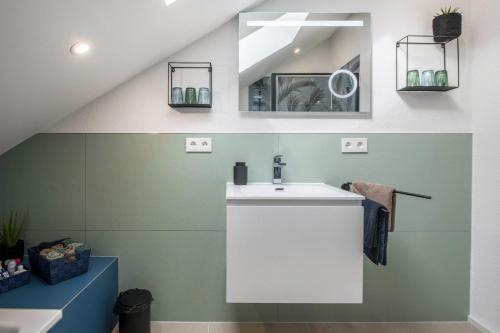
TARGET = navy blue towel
x,y
376,227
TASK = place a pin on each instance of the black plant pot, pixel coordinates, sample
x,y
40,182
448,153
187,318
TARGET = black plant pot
x,y
447,27
14,252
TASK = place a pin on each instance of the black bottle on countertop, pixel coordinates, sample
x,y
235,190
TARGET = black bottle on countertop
x,y
240,173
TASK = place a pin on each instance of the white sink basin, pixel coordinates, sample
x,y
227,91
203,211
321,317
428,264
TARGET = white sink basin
x,y
289,191
28,320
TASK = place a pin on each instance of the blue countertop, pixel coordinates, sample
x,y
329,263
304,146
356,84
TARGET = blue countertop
x,y
40,295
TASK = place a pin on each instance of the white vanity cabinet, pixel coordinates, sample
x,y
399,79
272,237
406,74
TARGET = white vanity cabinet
x,y
294,243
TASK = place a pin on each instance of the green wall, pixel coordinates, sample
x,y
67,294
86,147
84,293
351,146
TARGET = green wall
x,y
141,197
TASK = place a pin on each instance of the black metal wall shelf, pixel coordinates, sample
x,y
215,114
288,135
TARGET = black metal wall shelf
x,y
429,88
403,60
201,106
189,74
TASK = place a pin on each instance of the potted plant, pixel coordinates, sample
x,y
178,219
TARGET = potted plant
x,y
11,247
447,24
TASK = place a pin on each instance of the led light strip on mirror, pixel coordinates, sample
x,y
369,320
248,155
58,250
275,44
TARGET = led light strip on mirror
x,y
342,23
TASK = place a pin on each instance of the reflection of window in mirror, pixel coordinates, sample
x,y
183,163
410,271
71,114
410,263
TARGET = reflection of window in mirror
x,y
287,62
259,95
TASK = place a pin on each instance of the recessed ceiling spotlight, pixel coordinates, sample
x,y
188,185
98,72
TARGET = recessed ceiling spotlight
x,y
296,51
169,2
79,48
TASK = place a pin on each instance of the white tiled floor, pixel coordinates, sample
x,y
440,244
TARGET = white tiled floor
x,y
435,327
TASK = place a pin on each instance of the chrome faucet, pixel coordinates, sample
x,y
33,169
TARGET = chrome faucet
x,y
277,166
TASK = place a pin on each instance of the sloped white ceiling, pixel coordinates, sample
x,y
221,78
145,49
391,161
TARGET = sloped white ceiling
x,y
41,82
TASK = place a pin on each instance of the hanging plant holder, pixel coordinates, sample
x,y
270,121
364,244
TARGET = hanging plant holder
x,y
447,27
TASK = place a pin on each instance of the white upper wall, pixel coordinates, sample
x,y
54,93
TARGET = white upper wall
x,y
41,82
140,105
485,268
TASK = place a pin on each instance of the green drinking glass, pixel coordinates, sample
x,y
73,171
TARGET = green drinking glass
x,y
190,96
203,96
442,78
413,78
428,78
177,97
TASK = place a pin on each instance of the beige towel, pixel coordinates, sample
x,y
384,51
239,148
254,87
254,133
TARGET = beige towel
x,y
384,195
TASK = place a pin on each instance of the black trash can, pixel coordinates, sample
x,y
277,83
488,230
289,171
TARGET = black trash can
x,y
134,308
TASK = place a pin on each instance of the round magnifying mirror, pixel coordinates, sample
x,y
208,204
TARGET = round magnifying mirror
x,y
337,79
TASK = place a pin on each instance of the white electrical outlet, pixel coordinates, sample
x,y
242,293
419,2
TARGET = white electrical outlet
x,y
198,145
354,145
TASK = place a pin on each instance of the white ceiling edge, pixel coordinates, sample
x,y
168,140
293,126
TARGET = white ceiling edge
x,y
41,82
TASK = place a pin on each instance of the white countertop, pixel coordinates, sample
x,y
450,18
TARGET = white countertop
x,y
289,191
28,321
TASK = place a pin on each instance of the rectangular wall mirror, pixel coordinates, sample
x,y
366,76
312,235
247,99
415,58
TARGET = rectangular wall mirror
x,y
305,62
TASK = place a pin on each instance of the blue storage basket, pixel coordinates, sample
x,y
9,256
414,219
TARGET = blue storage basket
x,y
15,281
58,270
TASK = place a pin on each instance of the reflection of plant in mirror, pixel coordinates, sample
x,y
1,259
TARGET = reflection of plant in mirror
x,y
287,87
315,97
339,104
292,102
259,95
